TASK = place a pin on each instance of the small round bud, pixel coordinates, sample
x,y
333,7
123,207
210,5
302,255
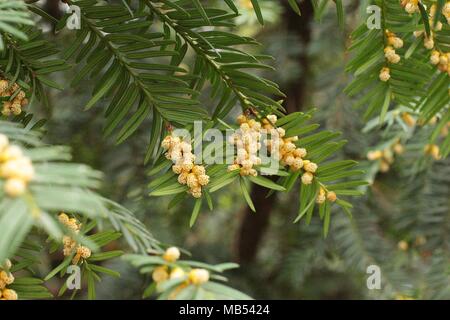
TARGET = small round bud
x,y
198,170
417,34
14,152
389,51
73,225
428,43
15,187
300,152
177,273
84,252
298,164
411,8
242,119
198,276
172,254
16,109
397,43
320,198
307,178
443,59
331,196
281,132
7,264
310,166
182,178
408,119
398,148
24,102
167,142
203,179
63,218
177,169
435,58
403,245
395,58
384,166
187,166
196,194
160,274
3,85
272,118
20,95
245,127
192,180
385,74
288,147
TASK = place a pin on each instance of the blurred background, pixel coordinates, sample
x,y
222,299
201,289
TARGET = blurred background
x,y
402,224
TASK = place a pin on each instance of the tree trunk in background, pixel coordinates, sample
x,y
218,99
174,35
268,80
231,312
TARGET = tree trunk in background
x,y
52,8
254,225
301,28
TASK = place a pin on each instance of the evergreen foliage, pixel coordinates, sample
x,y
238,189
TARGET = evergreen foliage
x,y
156,66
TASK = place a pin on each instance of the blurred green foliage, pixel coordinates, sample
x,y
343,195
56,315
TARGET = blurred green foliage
x,y
401,225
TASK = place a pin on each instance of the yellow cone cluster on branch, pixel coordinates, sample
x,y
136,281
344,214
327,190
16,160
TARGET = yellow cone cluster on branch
x,y
411,6
13,106
163,273
433,150
6,279
15,168
393,42
247,141
70,245
386,156
170,271
288,153
180,152
325,195
441,60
